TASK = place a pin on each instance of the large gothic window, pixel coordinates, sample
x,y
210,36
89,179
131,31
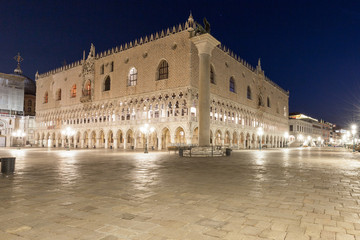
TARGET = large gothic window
x,y
73,91
107,84
232,85
87,89
132,77
46,97
249,93
163,70
212,75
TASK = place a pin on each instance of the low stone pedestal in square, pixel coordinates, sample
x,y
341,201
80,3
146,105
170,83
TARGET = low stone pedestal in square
x,y
203,152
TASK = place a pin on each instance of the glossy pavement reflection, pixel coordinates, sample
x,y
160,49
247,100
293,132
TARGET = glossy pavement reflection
x,y
105,194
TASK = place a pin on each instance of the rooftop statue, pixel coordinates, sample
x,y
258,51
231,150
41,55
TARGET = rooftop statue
x,y
202,29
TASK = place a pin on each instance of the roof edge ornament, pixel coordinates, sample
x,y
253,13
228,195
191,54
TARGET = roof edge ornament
x,y
199,29
18,59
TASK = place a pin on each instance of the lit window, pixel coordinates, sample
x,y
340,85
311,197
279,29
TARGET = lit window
x,y
132,77
59,95
46,97
87,89
73,91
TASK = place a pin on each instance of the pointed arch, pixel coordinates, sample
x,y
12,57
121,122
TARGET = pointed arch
x,y
87,88
132,77
58,94
73,91
107,83
46,97
163,70
260,101
232,85
248,93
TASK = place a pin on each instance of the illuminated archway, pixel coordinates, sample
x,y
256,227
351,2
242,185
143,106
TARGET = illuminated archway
x,y
165,138
180,136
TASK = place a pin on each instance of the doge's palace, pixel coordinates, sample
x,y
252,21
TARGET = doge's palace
x,y
107,97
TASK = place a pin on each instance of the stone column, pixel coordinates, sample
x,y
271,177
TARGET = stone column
x,y
97,142
106,142
125,141
159,143
81,143
57,142
115,143
172,138
204,43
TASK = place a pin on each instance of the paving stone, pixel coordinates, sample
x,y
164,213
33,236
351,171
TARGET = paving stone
x,y
113,194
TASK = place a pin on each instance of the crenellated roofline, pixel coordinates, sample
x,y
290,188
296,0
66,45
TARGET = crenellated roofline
x,y
188,25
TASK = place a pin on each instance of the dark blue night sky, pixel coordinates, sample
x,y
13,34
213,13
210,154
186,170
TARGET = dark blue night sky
x,y
311,48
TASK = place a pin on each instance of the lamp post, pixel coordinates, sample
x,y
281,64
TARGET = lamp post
x,y
146,130
260,132
286,136
353,131
68,132
19,134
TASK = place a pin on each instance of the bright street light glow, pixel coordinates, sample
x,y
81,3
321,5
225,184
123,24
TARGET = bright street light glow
x,y
68,132
300,137
286,135
353,129
18,133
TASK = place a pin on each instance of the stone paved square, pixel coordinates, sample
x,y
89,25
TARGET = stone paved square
x,y
308,193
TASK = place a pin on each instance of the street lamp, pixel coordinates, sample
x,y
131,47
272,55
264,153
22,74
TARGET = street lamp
x,y
260,132
19,134
146,130
353,131
68,132
286,136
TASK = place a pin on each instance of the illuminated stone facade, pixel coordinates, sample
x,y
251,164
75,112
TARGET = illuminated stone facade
x,y
15,91
107,97
307,131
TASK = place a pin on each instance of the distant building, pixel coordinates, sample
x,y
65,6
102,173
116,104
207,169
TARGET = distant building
x,y
308,131
17,108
